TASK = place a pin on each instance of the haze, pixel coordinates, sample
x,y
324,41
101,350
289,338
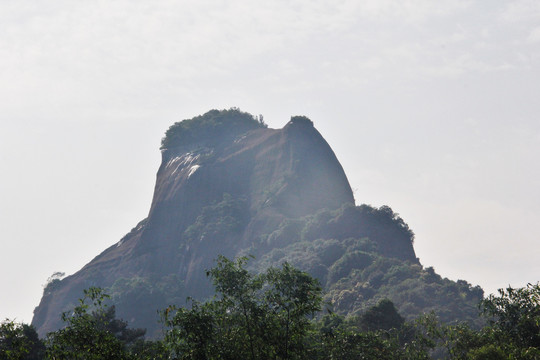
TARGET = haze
x,y
431,107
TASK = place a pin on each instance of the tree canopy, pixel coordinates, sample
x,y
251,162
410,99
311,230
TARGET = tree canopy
x,y
276,314
210,128
264,316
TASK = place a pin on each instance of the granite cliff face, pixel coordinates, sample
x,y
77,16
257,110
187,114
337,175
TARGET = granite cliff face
x,y
229,185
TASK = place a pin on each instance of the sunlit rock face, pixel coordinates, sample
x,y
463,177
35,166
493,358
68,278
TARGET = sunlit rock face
x,y
226,182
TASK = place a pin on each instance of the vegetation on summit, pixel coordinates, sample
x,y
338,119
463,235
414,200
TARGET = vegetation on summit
x,y
213,126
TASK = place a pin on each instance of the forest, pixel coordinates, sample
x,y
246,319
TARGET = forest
x,y
280,313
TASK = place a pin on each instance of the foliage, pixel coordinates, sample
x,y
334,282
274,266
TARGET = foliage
x,y
513,330
254,316
53,282
515,315
343,339
301,120
383,316
360,254
19,341
229,216
212,127
142,297
13,344
380,230
514,324
382,225
272,316
149,350
357,276
91,332
347,263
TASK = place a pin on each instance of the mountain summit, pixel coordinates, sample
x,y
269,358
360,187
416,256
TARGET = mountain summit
x,y
229,185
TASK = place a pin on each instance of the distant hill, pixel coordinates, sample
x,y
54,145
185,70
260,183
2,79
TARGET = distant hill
x,y
229,185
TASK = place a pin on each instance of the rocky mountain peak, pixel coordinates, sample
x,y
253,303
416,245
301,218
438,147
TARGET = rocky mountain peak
x,y
226,181
228,185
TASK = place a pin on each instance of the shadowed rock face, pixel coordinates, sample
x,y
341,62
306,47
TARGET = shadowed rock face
x,y
225,183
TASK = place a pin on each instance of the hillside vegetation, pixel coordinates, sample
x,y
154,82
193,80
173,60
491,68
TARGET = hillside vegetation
x,y
362,255
276,314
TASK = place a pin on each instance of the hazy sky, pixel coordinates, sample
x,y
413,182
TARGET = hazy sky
x,y
432,107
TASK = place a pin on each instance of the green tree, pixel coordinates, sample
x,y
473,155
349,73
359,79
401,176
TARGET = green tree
x,y
516,314
107,321
263,316
514,324
149,350
512,332
215,126
91,332
343,339
292,297
19,341
383,316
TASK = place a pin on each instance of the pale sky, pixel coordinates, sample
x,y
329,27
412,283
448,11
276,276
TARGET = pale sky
x,y
432,107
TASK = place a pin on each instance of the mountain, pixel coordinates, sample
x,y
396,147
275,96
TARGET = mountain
x,y
229,185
